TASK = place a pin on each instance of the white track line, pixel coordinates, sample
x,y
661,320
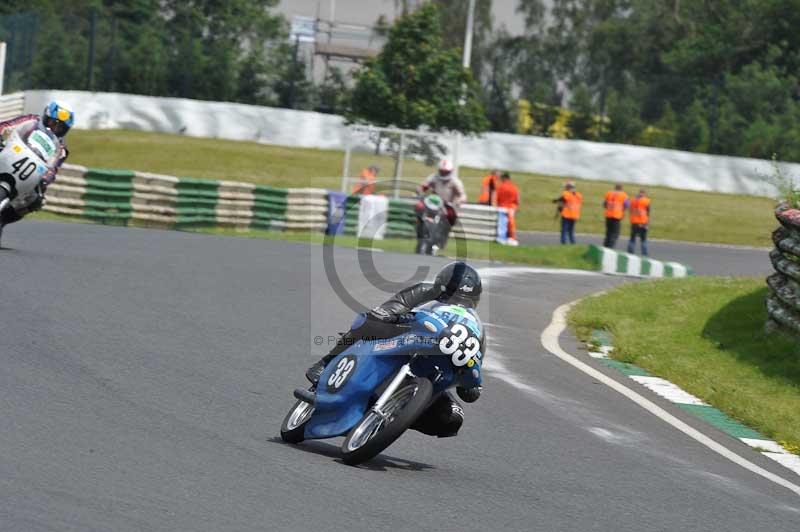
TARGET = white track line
x,y
550,342
508,271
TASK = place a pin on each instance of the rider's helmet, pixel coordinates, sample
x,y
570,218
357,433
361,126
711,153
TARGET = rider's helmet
x,y
445,169
58,118
460,284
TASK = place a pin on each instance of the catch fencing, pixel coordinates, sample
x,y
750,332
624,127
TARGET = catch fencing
x,y
475,222
783,299
125,196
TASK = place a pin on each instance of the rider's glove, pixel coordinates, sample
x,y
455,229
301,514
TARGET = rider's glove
x,y
380,314
469,395
383,315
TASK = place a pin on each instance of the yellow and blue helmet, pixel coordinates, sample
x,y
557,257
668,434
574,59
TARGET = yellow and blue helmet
x,y
58,118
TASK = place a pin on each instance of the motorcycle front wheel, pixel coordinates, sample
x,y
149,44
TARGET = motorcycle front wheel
x,y
294,424
376,432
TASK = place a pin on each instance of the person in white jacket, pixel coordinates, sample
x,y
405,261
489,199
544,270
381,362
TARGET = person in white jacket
x,y
448,187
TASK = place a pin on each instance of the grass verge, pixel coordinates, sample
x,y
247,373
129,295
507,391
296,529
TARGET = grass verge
x,y
575,257
707,336
677,214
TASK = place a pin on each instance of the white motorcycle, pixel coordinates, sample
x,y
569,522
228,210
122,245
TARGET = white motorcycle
x,y
25,159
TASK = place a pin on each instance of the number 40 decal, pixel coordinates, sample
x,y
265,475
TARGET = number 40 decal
x,y
461,345
22,170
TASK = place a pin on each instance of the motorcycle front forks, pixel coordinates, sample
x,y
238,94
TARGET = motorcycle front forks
x,y
402,373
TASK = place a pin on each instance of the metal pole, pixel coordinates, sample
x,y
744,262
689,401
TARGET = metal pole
x,y
398,166
2,64
346,169
465,61
92,32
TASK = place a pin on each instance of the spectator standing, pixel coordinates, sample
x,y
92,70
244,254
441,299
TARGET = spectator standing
x,y
508,198
640,218
569,207
366,181
489,188
615,203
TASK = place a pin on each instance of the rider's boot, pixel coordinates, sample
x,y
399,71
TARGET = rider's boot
x,y
314,372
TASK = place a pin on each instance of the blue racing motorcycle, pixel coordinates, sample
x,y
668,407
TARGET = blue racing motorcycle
x,y
375,390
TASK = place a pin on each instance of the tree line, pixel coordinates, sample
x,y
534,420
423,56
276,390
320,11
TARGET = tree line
x,y
236,50
715,77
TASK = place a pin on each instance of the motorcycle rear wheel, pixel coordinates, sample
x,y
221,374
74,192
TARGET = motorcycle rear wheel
x,y
294,424
374,433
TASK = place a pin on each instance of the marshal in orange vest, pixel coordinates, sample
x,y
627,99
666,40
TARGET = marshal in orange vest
x,y
366,181
640,210
571,204
489,189
615,204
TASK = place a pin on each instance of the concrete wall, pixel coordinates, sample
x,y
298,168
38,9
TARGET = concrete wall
x,y
574,158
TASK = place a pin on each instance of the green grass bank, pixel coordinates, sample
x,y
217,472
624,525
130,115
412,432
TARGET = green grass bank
x,y
707,336
677,214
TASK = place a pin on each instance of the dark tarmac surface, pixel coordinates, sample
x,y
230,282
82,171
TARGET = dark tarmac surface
x,y
145,375
705,259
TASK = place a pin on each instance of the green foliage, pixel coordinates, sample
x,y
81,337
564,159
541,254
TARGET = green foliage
x,y
453,21
333,94
581,120
416,81
666,128
623,112
717,77
498,86
202,49
692,131
544,116
787,187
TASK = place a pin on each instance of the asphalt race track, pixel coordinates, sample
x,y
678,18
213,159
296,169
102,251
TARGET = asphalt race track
x,y
144,375
705,259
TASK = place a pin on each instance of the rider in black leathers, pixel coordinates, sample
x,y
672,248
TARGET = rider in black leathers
x,y
456,284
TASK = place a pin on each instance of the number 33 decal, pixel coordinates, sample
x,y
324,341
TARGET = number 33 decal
x,y
461,345
344,368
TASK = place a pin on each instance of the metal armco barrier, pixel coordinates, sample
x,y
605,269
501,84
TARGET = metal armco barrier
x,y
783,299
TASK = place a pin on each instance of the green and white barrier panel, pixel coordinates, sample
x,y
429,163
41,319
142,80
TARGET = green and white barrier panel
x,y
125,196
11,105
620,263
122,196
